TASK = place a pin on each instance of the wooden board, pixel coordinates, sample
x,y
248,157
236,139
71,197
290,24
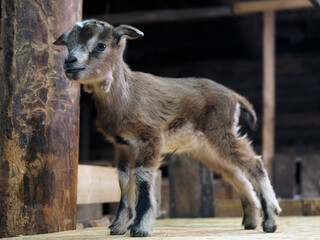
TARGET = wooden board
x,y
173,15
97,185
269,5
284,175
268,91
310,176
305,207
205,228
191,193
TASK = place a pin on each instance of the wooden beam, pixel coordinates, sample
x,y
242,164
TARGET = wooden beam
x,y
97,185
290,207
268,90
174,15
169,15
190,196
39,119
269,5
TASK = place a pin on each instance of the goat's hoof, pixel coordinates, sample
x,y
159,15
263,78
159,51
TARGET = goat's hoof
x,y
138,233
250,223
114,232
250,226
270,229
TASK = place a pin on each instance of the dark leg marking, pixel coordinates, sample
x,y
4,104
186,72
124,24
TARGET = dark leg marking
x,y
120,209
123,167
119,225
266,228
142,208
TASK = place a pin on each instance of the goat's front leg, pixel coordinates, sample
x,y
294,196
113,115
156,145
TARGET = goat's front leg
x,y
144,172
128,192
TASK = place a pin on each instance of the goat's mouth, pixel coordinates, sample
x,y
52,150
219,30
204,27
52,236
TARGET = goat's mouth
x,y
74,70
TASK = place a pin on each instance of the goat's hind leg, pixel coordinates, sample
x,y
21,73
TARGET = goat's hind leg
x,y
234,175
128,196
238,152
269,203
253,167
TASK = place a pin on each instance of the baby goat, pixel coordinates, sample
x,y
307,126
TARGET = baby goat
x,y
146,116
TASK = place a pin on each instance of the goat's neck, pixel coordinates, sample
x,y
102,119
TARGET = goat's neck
x,y
112,95
115,86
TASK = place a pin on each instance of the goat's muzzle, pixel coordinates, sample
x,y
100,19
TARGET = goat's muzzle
x,y
70,67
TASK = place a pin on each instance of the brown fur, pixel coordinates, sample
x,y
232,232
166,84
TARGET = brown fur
x,y
145,116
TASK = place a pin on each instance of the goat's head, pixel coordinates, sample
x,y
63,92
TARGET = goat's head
x,y
95,47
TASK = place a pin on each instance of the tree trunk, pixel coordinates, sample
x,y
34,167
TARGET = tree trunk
x,y
39,119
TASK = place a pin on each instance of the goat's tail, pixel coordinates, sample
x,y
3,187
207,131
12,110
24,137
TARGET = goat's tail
x,y
247,112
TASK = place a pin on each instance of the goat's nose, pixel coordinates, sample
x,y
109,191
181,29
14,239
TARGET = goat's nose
x,y
70,59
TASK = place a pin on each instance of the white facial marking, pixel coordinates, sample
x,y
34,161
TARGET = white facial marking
x,y
92,43
81,24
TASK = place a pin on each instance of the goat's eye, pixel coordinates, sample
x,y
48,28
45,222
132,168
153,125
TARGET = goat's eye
x,y
100,47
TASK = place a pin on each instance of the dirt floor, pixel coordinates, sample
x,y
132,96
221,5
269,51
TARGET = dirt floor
x,y
292,228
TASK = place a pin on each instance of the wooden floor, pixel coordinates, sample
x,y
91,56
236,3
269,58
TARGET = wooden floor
x,y
292,228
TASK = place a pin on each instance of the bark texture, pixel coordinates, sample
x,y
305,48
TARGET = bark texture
x,y
39,118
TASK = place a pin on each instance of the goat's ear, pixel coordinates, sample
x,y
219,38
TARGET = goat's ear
x,y
127,31
62,40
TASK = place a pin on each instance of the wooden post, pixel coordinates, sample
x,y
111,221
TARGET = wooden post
x,y
39,119
268,90
191,191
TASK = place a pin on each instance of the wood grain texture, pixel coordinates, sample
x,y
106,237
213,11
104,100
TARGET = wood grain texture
x,y
204,228
246,7
268,91
304,207
39,119
191,191
310,176
97,185
284,176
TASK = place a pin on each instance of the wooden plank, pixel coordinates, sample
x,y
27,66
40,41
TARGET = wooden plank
x,y
311,207
223,190
269,5
310,176
284,175
39,119
157,190
268,90
168,15
292,228
191,193
89,211
97,185
165,198
290,207
174,15
228,208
